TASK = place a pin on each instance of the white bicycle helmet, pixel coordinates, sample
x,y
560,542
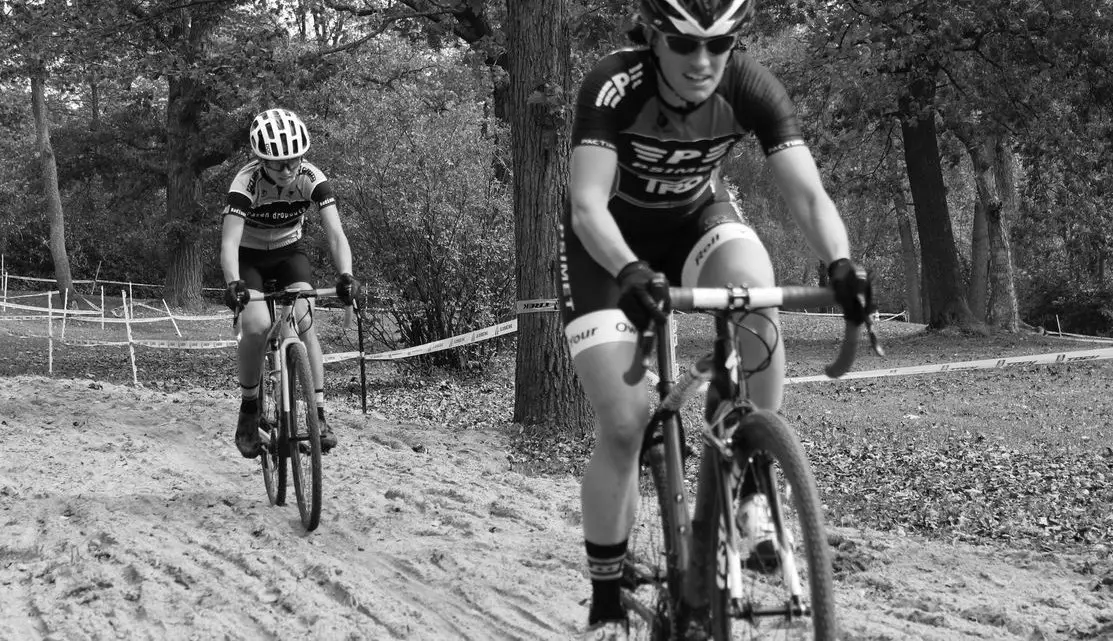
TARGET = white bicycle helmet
x,y
699,18
278,134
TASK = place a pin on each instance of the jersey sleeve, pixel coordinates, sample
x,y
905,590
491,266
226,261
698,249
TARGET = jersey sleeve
x,y
239,199
320,189
600,102
763,105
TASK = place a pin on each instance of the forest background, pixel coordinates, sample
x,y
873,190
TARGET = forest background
x,y
967,147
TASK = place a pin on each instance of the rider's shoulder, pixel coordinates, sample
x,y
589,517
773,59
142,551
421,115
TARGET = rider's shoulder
x,y
631,61
311,172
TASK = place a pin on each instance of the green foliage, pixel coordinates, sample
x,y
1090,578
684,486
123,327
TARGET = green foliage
x,y
418,166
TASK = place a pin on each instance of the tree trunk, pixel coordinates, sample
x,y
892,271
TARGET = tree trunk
x,y
912,292
978,289
52,198
1003,309
546,392
183,195
995,182
938,255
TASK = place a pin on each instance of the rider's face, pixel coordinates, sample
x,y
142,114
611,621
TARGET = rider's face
x,y
282,171
692,66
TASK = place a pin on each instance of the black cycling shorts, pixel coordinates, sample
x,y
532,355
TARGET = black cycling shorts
x,y
586,287
286,265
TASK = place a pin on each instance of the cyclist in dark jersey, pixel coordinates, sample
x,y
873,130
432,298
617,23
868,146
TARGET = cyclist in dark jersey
x,y
262,240
652,127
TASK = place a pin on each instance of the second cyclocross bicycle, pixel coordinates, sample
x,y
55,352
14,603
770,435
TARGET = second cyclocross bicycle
x,y
288,424
686,574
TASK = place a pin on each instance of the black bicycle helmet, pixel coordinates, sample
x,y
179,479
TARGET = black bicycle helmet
x,y
699,18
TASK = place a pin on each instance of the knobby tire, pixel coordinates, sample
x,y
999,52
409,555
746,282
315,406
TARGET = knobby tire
x,y
305,436
653,577
273,459
802,514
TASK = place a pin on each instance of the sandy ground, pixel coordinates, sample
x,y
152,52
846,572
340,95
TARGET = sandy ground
x,y
126,513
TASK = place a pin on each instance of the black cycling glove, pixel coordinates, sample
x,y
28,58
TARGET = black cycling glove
x,y
347,288
644,294
236,296
853,290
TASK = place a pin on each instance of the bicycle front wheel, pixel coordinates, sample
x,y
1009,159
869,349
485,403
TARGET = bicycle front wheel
x,y
653,576
305,436
790,594
272,460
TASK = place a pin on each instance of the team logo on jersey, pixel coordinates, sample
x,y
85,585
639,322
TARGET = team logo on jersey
x,y
615,89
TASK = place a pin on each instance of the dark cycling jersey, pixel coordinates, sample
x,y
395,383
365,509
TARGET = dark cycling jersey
x,y
667,160
273,215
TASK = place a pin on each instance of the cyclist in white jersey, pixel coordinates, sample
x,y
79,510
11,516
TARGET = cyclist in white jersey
x,y
262,240
652,127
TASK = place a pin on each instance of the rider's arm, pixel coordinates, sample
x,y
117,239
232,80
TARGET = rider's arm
x,y
798,179
592,175
337,240
231,232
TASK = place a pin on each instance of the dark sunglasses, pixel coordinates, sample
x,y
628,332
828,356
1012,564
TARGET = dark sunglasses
x,y
686,45
282,165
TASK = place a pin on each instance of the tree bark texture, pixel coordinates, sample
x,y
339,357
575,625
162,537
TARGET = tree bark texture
x,y
52,198
1003,311
546,391
186,100
942,277
913,295
183,196
997,198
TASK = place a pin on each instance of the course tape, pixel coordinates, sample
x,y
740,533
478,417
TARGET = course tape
x,y
508,327
46,311
963,366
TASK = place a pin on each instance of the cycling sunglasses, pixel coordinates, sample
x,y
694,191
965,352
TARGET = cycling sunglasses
x,y
282,165
687,45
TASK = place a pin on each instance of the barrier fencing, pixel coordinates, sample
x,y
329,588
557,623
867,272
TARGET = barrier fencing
x,y
125,315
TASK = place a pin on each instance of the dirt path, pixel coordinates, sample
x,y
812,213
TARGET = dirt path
x,y
127,513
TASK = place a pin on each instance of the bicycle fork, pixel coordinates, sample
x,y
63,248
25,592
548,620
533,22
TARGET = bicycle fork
x,y
730,466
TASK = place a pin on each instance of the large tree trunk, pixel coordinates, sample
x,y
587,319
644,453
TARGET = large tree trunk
x,y
977,291
183,195
52,198
995,183
1003,308
546,391
938,255
913,295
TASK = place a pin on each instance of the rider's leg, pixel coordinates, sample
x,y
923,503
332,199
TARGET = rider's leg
x,y
732,254
604,348
308,333
254,320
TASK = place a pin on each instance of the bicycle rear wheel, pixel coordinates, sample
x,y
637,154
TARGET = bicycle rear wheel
x,y
305,436
793,598
272,460
653,576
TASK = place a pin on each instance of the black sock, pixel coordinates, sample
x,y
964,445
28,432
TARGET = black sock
x,y
604,564
249,405
321,413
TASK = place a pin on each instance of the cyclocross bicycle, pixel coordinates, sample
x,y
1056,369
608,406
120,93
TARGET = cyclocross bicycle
x,y
687,575
288,423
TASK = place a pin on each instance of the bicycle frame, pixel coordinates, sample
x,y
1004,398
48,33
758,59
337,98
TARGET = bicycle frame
x,y
282,333
721,472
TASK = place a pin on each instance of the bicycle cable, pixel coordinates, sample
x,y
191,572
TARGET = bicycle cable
x,y
736,320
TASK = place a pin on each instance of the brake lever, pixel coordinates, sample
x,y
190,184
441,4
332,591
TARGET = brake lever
x,y
645,345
